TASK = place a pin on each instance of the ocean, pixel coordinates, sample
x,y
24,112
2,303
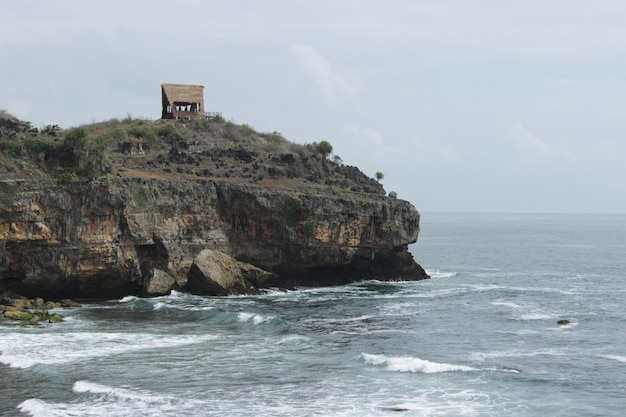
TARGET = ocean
x,y
478,339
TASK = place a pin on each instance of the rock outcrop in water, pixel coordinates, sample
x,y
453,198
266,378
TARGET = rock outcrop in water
x,y
168,202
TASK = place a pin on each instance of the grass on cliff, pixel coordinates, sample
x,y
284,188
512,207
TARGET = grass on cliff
x,y
176,150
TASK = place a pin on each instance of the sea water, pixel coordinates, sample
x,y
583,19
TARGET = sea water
x,y
478,339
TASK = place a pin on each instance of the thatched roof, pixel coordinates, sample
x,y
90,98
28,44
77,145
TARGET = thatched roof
x,y
183,93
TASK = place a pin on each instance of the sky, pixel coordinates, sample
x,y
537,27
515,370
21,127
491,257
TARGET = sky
x,y
463,105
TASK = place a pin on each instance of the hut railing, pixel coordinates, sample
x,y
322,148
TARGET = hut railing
x,y
212,114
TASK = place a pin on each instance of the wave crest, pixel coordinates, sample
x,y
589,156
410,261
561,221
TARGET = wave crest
x,y
410,364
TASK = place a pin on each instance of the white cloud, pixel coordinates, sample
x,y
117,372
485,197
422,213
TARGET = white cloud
x,y
332,83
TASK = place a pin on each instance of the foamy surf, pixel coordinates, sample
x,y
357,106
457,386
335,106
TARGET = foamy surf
x,y
410,364
102,400
615,358
27,350
441,274
255,319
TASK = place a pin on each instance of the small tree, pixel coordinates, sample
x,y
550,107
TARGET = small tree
x,y
379,176
324,148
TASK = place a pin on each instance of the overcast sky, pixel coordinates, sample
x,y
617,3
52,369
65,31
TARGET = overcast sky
x,y
464,105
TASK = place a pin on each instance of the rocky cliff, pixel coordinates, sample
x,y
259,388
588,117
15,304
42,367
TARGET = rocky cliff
x,y
210,207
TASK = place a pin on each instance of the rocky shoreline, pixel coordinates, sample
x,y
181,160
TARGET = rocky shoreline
x,y
31,312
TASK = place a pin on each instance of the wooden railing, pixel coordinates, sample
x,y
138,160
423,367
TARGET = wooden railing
x,y
212,114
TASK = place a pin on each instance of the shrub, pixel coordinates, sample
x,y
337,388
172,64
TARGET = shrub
x,y
290,210
275,137
73,146
142,131
97,161
75,138
143,196
39,145
6,115
119,134
379,176
69,177
166,131
246,130
14,149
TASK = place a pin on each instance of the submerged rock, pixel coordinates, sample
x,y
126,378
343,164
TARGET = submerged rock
x,y
27,312
563,322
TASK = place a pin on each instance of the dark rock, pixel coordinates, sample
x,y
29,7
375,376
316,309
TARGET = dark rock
x,y
8,296
68,303
563,322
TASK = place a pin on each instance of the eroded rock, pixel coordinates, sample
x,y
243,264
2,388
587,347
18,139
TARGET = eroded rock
x,y
215,273
159,283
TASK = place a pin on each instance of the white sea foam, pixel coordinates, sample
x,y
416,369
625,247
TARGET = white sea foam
x,y
615,358
112,401
481,356
410,364
256,319
347,320
398,309
505,304
119,393
536,316
441,274
24,350
128,299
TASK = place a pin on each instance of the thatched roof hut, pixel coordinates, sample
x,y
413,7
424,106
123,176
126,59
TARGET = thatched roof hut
x,y
182,101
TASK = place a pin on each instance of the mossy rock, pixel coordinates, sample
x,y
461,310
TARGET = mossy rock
x,y
55,318
18,315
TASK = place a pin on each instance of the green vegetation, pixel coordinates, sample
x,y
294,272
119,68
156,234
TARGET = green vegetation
x,y
379,176
38,144
322,148
143,195
290,210
69,177
308,228
166,131
178,150
14,149
119,134
142,131
6,115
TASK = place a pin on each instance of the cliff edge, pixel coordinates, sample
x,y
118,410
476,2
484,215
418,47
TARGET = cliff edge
x,y
208,206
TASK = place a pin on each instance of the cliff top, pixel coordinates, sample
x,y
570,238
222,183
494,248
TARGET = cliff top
x,y
173,150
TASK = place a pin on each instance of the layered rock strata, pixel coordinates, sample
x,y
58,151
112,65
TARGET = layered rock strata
x,y
102,239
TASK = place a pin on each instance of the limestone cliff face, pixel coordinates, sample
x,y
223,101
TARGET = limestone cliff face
x,y
104,239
